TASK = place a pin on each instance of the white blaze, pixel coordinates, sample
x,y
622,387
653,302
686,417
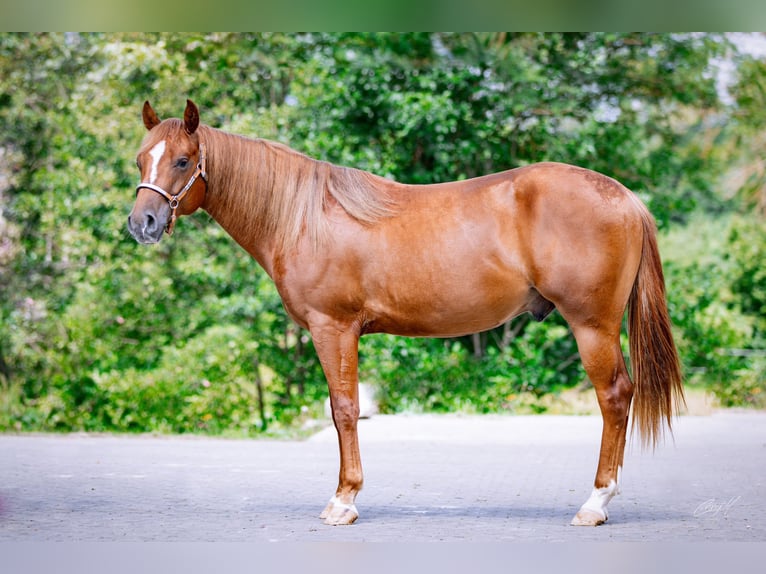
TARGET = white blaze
x,y
156,152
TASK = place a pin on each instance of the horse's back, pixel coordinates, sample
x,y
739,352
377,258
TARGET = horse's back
x,y
529,207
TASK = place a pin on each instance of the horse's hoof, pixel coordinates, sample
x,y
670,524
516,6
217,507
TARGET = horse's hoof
x,y
338,513
587,517
341,515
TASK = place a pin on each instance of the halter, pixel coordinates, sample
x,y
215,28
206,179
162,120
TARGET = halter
x,y
174,200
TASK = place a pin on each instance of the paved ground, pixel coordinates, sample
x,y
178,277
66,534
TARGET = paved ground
x,y
428,478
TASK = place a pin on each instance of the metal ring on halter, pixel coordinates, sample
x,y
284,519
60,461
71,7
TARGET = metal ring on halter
x,y
175,200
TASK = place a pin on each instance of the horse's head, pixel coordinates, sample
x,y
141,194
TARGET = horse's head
x,y
173,178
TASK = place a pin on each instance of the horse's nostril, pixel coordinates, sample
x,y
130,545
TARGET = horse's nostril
x,y
151,222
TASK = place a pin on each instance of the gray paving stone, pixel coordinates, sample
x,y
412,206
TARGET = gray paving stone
x,y
450,478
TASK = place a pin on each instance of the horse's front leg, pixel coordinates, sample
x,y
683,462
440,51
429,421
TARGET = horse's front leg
x,y
338,347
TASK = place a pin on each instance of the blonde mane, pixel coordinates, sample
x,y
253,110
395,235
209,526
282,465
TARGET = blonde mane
x,y
280,193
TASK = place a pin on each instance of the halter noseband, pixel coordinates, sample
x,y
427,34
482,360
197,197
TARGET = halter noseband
x,y
174,200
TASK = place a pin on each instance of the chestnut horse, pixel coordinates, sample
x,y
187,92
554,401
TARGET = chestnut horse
x,y
352,253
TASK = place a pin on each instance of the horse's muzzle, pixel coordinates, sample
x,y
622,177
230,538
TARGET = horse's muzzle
x,y
146,228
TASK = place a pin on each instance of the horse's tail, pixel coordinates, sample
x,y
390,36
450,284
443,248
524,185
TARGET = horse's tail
x,y
657,378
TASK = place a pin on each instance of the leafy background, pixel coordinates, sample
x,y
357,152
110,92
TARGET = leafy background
x,y
98,333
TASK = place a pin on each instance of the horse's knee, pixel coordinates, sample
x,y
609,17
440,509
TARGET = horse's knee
x,y
345,412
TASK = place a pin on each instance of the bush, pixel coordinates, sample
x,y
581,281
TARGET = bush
x,y
444,375
715,296
747,252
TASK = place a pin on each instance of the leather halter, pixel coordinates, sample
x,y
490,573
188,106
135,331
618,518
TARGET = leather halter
x,y
175,199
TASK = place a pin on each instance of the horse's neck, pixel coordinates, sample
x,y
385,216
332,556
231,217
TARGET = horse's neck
x,y
226,200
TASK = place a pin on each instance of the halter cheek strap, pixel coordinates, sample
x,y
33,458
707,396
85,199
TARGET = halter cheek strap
x,y
175,199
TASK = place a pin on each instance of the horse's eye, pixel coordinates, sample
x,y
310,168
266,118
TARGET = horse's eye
x,y
182,163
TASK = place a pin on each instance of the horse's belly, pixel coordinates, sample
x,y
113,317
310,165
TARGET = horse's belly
x,y
449,309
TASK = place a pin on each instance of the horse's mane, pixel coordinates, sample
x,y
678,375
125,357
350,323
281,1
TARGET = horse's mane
x,y
281,193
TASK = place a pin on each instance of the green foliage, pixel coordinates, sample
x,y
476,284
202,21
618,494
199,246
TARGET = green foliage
x,y
747,178
444,375
747,253
431,108
713,298
98,333
205,385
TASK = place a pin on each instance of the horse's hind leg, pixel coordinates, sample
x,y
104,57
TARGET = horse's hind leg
x,y
603,361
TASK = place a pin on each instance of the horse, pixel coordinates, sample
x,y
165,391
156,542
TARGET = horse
x,y
352,253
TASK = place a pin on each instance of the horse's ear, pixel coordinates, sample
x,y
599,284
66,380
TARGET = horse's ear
x,y
149,115
191,117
